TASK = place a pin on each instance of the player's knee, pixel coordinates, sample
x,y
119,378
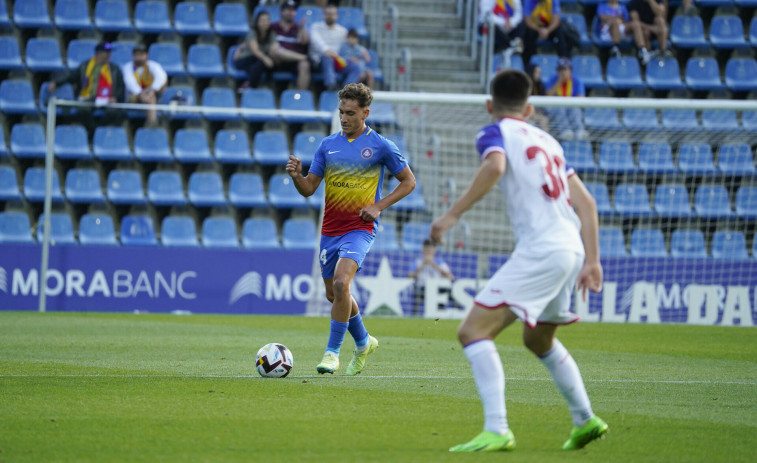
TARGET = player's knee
x,y
341,286
537,345
466,334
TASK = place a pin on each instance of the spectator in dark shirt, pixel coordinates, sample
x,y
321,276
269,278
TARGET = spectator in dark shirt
x,y
293,37
543,22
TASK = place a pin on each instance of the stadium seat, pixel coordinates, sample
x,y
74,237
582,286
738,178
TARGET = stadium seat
x,y
712,202
121,52
688,244
727,32
246,190
735,159
71,142
110,143
219,232
611,242
28,140
580,155
231,19
283,195
5,20
233,72
297,100
413,234
17,97
648,242
258,98
79,51
305,145
306,15
656,158
61,228
83,186
382,113
664,74
729,245
138,230
375,65
716,120
206,189
9,184
548,65
589,70
191,146
31,14
10,54
386,238
687,32
616,157
753,31
43,55
97,229
260,233
179,95
204,61
578,21
412,202
151,145
601,196
232,147
329,102
112,16
624,73
602,119
638,120
299,234
151,17
680,120
632,200
695,159
749,121
15,228
672,201
739,74
353,18
125,187
34,185
270,148
63,92
72,15
219,97
178,231
165,188
191,18
703,74
746,202
168,55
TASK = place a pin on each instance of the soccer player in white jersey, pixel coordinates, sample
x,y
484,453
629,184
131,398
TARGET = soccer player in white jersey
x,y
555,224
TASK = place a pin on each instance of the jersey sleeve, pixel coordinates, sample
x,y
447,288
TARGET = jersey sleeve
x,y
394,160
569,171
489,140
318,166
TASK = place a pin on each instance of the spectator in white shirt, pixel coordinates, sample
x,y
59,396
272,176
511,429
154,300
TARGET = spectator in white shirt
x,y
145,80
326,38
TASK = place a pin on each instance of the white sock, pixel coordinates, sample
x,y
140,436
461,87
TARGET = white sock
x,y
568,380
490,381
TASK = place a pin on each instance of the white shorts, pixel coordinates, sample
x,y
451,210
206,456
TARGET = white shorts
x,y
536,288
604,32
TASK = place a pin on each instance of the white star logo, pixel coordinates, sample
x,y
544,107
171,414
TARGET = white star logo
x,y
385,289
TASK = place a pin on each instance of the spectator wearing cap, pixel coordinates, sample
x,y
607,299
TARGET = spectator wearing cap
x,y
293,37
567,121
326,37
145,80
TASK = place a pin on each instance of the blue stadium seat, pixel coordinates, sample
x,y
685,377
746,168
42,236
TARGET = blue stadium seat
x,y
297,100
151,145
632,200
258,98
5,20
680,120
260,233
589,70
499,64
110,143
611,242
71,142
353,18
580,155
735,159
375,66
17,97
712,202
749,121
125,187
382,113
641,120
716,120
15,228
616,157
412,202
305,14
624,73
9,184
602,119
299,234
43,55
191,146
664,74
672,201
648,242
387,239
61,228
191,18
305,145
270,148
204,61
413,234
219,97
179,95
246,190
34,185
97,229
79,51
656,158
112,16
206,189
31,14
83,186
548,65
231,19
28,140
739,74
601,196
283,195
178,231
696,159
578,21
168,55
164,188
233,72
729,245
10,54
328,101
232,147
703,74
688,244
219,232
753,31
151,17
688,32
727,32
121,52
72,15
138,230
63,92
746,202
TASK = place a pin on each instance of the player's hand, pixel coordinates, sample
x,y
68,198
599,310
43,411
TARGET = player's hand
x,y
590,277
294,166
370,213
439,227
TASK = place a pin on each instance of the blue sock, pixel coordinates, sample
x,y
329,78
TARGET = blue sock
x,y
358,331
336,336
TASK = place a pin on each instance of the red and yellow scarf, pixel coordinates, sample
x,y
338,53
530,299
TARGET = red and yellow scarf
x,y
99,81
503,8
542,13
146,79
566,88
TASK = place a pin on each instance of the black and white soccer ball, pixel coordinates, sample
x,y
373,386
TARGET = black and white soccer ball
x,y
274,360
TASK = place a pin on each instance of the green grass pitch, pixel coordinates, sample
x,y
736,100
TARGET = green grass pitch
x,y
147,388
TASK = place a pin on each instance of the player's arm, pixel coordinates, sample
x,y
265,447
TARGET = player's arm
x,y
306,186
586,209
403,188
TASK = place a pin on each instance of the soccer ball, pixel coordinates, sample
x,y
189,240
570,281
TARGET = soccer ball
x,y
274,361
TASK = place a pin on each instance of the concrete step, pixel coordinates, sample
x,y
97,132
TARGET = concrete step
x,y
443,62
445,86
424,20
425,6
454,75
431,33
441,48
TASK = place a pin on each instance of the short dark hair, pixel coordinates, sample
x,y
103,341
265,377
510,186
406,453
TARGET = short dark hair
x,y
353,33
510,90
358,92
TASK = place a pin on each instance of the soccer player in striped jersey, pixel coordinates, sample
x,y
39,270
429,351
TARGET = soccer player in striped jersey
x,y
352,162
555,224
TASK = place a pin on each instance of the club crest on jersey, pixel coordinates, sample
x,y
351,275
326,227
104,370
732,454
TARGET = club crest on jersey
x,y
366,153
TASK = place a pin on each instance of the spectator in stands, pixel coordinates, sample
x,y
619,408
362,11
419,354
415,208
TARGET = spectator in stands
x,y
507,17
326,37
616,24
539,116
542,19
650,16
145,80
293,37
358,54
566,120
427,266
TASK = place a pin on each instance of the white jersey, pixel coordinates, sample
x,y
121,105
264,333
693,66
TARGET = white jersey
x,y
535,186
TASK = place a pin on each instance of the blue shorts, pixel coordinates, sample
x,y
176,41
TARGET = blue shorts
x,y
353,245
